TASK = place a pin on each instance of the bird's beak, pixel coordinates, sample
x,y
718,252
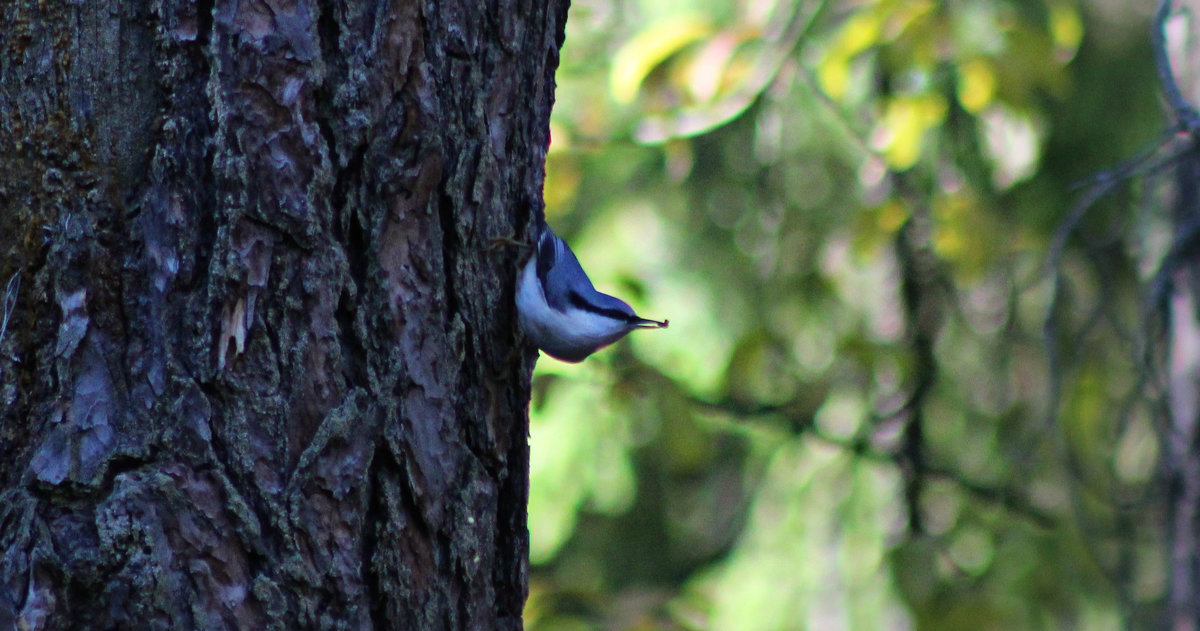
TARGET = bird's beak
x,y
643,323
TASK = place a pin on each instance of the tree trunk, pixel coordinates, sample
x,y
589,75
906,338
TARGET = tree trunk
x,y
1176,50
258,364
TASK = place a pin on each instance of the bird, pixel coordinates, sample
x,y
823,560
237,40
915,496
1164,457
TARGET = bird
x,y
561,312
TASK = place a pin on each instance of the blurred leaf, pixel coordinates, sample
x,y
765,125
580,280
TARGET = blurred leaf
x,y
906,119
579,455
813,548
759,372
1066,29
649,48
976,84
707,72
1136,454
1013,142
858,34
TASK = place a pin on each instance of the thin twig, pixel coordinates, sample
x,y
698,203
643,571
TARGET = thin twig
x,y
1008,498
1101,185
1158,156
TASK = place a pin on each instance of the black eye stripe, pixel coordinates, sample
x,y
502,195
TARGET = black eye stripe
x,y
578,302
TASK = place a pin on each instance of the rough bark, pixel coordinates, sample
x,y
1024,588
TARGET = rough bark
x,y
261,369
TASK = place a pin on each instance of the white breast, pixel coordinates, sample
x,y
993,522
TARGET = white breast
x,y
571,335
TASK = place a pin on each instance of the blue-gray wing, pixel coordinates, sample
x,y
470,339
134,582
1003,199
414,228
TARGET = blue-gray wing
x,y
559,270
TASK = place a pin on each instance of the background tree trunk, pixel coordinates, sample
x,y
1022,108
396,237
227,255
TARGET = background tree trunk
x,y
258,367
1182,366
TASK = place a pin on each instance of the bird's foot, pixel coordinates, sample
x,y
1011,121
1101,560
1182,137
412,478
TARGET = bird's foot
x,y
506,242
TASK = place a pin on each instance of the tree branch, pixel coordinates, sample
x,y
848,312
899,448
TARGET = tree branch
x,y
1005,497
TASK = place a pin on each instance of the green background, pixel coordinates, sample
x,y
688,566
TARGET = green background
x,y
908,382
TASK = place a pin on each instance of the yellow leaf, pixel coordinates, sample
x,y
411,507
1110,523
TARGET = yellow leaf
x,y
834,75
646,50
1066,29
976,84
905,121
858,33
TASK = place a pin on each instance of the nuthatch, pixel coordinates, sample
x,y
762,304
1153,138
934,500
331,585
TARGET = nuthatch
x,y
560,310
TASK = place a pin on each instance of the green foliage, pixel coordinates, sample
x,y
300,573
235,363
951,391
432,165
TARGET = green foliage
x,y
875,407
